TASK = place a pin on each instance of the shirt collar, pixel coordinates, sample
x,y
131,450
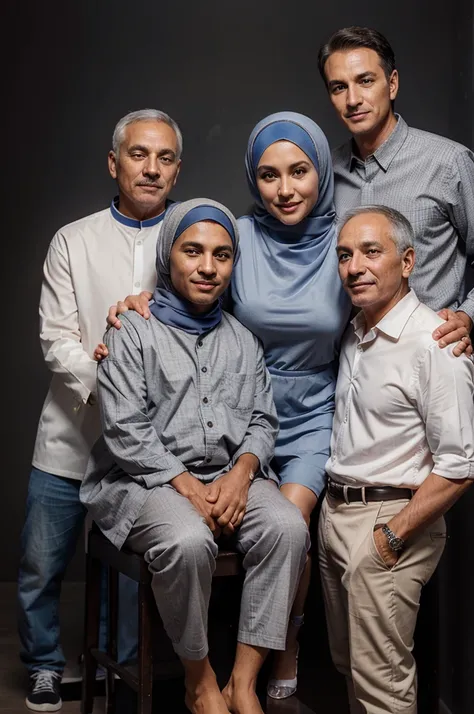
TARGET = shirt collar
x,y
393,323
388,150
133,222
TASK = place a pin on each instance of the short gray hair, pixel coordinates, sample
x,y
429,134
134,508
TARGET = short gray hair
x,y
145,115
402,232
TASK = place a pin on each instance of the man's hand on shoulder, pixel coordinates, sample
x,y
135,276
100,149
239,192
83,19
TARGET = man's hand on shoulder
x,y
196,492
137,303
457,327
228,494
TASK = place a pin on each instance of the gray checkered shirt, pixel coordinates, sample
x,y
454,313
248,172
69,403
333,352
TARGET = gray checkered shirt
x,y
172,402
430,179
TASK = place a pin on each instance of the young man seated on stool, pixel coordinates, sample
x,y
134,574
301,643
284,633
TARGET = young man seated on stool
x,y
189,428
402,453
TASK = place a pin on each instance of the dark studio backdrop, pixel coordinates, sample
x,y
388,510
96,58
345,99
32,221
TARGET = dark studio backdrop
x,y
218,66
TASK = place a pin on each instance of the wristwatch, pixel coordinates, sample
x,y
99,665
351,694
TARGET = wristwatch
x,y
396,544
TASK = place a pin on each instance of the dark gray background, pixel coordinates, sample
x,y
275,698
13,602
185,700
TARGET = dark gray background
x,y
73,68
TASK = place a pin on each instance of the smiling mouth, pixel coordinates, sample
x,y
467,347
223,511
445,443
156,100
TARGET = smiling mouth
x,y
288,206
203,285
356,115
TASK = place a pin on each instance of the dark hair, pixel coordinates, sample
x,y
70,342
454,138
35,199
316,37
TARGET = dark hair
x,y
351,38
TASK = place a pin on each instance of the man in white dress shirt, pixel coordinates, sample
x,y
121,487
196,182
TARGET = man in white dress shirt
x,y
402,453
90,264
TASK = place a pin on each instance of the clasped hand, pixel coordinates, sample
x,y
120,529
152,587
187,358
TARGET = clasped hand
x,y
221,503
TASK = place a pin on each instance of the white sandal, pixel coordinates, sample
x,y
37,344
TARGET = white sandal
x,y
284,688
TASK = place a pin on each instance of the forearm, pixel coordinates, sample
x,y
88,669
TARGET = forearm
x,y
435,496
60,331
67,358
249,464
184,483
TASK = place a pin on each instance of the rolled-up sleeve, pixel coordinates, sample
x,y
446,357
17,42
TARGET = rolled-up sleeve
x,y
445,399
60,334
128,432
263,427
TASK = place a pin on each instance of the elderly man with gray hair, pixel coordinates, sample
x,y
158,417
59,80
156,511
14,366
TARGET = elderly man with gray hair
x,y
90,264
402,453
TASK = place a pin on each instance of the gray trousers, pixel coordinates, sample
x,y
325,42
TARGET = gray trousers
x,y
180,551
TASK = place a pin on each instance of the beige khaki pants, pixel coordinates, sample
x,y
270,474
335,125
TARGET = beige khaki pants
x,y
371,610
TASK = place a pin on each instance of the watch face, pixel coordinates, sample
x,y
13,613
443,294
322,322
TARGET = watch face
x,y
396,543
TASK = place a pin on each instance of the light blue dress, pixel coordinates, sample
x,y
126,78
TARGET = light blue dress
x,y
286,290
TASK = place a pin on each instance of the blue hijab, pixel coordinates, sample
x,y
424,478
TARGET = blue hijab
x,y
286,287
317,229
167,305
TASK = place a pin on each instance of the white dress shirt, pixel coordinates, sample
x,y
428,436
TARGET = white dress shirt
x,y
90,264
404,406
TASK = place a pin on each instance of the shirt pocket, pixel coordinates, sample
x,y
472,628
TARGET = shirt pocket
x,y
238,390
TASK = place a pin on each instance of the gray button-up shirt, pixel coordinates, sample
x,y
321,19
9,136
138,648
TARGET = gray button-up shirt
x,y
430,179
174,402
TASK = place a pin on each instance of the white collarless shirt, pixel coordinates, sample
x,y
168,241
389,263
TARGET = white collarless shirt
x,y
404,407
90,264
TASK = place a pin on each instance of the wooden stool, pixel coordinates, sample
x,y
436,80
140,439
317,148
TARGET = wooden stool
x,y
151,633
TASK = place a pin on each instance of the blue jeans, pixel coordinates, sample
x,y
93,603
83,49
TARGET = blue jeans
x,y
53,525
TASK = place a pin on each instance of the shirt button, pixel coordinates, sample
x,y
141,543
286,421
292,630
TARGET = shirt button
x,y
210,424
205,400
208,460
203,369
137,284
200,343
139,242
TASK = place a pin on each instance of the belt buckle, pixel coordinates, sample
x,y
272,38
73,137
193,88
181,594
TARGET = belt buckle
x,y
364,499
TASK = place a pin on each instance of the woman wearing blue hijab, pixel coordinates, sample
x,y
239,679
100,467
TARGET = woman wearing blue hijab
x,y
287,291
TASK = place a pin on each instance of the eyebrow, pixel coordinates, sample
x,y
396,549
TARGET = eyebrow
x,y
146,150
292,166
364,244
199,246
358,77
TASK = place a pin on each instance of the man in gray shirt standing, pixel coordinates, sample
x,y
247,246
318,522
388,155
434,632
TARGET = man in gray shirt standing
x,y
428,178
189,427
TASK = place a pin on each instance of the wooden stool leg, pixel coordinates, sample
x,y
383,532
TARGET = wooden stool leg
x,y
112,637
91,632
146,607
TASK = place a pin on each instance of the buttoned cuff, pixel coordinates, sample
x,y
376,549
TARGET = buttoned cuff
x,y
168,467
468,307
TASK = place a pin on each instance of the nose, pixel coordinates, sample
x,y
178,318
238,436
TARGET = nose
x,y
152,166
353,98
356,265
207,265
285,188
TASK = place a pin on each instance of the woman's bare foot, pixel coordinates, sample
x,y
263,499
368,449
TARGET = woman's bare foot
x,y
241,699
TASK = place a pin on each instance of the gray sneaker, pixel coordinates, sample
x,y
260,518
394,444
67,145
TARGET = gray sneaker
x,y
44,691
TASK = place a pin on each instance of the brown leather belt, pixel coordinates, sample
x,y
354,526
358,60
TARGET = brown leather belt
x,y
364,494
